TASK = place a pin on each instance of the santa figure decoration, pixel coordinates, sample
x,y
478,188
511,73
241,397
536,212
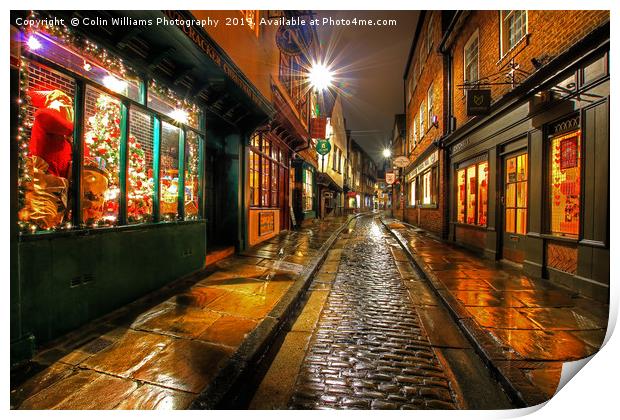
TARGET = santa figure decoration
x,y
48,164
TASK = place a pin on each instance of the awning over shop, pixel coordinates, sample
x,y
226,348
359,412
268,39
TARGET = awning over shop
x,y
325,180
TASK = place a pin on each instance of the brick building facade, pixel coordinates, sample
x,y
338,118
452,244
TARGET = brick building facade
x,y
547,76
426,124
547,73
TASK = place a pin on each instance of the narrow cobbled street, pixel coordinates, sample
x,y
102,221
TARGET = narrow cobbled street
x,y
369,348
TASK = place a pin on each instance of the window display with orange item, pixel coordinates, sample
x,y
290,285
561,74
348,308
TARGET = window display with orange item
x,y
565,184
472,193
515,198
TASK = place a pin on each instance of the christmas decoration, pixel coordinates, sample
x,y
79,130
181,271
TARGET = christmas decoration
x,y
139,184
191,178
51,131
45,161
102,153
46,196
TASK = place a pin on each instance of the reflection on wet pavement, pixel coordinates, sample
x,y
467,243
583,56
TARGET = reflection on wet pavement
x,y
163,350
524,324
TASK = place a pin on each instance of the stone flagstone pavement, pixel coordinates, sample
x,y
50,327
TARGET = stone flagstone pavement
x,y
163,350
526,328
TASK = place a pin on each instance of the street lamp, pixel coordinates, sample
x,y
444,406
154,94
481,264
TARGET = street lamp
x,y
387,153
320,77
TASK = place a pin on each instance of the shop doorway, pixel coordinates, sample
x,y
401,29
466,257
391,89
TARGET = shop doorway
x,y
514,204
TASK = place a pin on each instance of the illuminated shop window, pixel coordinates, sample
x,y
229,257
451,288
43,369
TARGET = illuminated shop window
x,y
117,139
412,193
472,193
140,167
267,162
483,190
428,185
101,159
45,141
516,194
192,176
461,190
307,190
169,172
565,180
274,185
164,100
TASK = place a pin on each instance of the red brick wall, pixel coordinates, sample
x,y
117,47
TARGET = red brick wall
x,y
430,219
550,33
432,73
475,238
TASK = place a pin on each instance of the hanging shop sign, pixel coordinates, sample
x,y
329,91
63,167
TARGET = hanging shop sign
x,y
293,39
426,163
401,161
323,147
478,101
318,126
390,177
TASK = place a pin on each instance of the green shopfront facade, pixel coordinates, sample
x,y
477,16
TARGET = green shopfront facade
x,y
125,168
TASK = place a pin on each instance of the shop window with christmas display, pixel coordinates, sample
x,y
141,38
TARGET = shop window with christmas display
x,y
169,172
116,149
192,178
472,193
164,100
45,139
565,184
100,193
140,167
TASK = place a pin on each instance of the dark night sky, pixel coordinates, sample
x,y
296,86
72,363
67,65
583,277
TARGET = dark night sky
x,y
374,60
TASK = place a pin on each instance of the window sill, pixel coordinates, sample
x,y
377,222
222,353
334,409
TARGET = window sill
x,y
559,238
524,40
465,225
26,237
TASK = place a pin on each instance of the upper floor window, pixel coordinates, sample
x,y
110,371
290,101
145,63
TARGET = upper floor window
x,y
470,62
422,132
415,135
429,34
291,74
430,103
409,89
513,28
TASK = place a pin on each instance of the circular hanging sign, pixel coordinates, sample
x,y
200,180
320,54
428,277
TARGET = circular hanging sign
x,y
401,161
292,39
323,147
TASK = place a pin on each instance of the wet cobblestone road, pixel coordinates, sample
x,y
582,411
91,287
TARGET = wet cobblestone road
x,y
369,349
